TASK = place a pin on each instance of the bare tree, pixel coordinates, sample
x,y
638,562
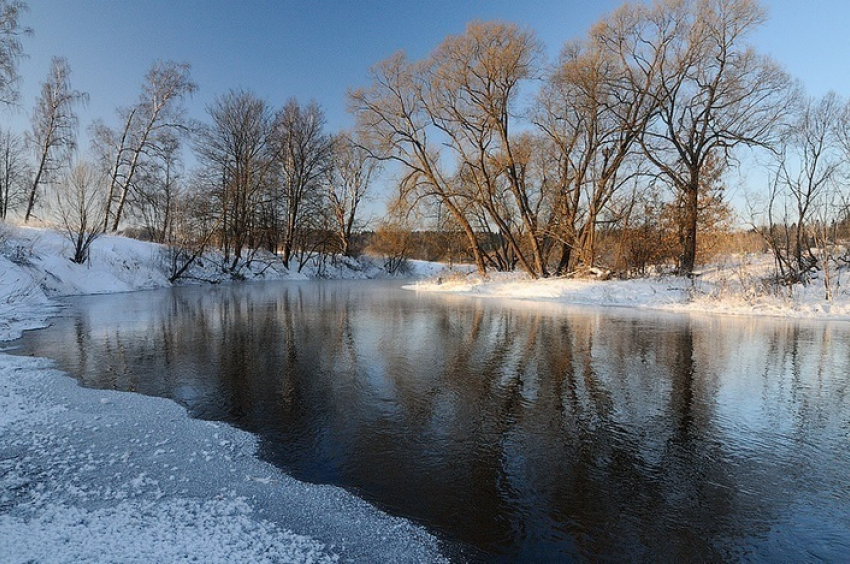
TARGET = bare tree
x,y
673,81
53,137
715,93
593,109
148,126
303,152
809,161
238,162
392,239
157,190
842,129
393,118
11,49
813,164
473,86
350,179
13,172
79,205
194,224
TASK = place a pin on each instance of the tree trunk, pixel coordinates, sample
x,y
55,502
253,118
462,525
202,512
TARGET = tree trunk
x,y
113,176
537,253
564,263
470,235
690,214
35,183
31,200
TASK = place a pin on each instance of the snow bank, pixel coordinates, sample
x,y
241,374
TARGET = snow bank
x,y
34,267
735,288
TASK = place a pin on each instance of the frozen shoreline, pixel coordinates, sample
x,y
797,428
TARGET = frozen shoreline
x,y
34,269
92,475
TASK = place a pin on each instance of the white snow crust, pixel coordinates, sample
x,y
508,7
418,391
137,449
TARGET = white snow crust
x,y
102,476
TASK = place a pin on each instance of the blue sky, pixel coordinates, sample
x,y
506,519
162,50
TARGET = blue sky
x,y
278,49
320,49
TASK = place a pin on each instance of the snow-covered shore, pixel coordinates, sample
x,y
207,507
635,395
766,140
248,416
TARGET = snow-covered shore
x,y
35,269
100,476
735,288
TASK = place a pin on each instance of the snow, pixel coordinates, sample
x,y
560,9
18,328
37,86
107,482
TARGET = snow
x,y
103,476
735,287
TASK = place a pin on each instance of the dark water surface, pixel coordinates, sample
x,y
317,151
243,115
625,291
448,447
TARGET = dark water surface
x,y
528,432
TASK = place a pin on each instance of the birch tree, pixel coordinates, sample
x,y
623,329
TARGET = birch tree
x,y
13,172
146,127
53,137
11,48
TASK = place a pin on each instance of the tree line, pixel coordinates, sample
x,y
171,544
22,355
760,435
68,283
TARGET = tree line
x,y
267,179
654,95
519,163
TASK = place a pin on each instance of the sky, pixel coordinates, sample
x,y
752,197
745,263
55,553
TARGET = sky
x,y
320,49
278,49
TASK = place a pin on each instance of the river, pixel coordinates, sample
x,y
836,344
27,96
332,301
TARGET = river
x,y
520,431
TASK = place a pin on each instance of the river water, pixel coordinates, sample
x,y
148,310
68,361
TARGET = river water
x,y
533,432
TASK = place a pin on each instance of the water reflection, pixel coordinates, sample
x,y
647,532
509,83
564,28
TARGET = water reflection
x,y
529,432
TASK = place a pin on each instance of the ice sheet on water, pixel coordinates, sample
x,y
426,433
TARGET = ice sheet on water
x,y
88,475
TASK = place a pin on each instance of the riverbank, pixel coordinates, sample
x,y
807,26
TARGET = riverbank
x,y
91,475
736,286
96,475
35,269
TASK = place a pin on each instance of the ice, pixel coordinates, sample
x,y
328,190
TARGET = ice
x,y
72,490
